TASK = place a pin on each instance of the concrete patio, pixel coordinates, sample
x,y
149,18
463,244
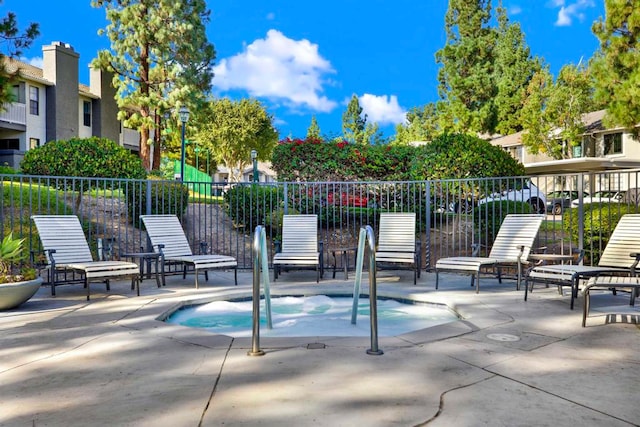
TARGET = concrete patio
x,y
68,362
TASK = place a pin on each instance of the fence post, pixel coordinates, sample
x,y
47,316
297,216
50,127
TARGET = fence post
x,y
286,199
581,211
148,198
427,244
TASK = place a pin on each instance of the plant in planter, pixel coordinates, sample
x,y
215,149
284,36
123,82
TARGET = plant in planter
x,y
19,281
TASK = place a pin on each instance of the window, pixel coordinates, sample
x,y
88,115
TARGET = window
x,y
9,144
86,113
34,100
613,143
34,143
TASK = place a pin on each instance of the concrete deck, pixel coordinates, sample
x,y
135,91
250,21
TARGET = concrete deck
x,y
68,362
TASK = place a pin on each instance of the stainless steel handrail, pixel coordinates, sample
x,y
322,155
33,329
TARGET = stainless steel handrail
x,y
260,255
367,233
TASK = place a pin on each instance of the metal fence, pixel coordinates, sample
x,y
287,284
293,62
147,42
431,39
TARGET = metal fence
x,y
452,215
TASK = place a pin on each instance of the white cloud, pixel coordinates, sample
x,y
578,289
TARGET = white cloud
x,y
515,10
567,13
382,109
35,61
278,68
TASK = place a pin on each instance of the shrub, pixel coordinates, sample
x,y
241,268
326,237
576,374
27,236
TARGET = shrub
x,y
83,157
252,205
599,221
167,197
462,156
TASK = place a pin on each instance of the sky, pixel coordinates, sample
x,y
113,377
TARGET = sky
x,y
302,59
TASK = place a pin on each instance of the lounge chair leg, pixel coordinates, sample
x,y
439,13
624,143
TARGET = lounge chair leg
x,y
235,274
196,274
473,278
86,284
437,279
585,309
206,276
478,282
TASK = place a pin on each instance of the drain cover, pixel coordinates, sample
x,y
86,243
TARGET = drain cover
x,y
315,346
503,337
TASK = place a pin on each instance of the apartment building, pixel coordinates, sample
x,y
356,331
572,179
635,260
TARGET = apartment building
x,y
605,156
51,104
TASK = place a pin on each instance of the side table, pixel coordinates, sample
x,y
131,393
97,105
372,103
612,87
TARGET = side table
x,y
544,259
343,253
144,258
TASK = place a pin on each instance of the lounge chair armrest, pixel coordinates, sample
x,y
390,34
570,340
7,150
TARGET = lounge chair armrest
x,y
635,255
35,258
476,248
580,253
521,249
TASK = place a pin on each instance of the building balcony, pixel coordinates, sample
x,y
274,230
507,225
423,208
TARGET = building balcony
x,y
15,113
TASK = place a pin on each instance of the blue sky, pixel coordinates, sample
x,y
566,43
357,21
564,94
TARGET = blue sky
x,y
308,58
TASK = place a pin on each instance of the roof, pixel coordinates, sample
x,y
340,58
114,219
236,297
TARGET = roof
x,y
33,73
26,71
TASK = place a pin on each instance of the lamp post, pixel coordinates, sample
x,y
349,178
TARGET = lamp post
x,y
184,118
254,159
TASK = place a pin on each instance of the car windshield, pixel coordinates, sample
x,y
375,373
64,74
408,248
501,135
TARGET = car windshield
x,y
604,194
558,194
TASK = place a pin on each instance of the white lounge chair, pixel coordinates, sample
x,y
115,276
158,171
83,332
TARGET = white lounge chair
x,y
397,241
299,245
619,257
168,239
609,283
511,247
67,251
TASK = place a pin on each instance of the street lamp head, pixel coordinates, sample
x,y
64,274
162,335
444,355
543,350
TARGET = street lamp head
x,y
254,154
184,114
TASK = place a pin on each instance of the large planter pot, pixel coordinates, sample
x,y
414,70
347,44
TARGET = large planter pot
x,y
14,294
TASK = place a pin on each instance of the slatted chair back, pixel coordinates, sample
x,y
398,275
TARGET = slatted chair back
x,y
64,234
624,240
517,230
300,234
397,232
166,230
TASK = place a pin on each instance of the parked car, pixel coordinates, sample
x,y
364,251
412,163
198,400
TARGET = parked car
x,y
608,196
558,201
528,193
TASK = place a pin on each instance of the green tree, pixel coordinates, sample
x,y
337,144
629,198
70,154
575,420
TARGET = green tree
x,y
13,42
354,122
552,113
231,129
513,70
314,130
355,127
616,66
465,79
160,58
422,125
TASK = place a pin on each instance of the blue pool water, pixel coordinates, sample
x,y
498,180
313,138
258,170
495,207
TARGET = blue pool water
x,y
318,315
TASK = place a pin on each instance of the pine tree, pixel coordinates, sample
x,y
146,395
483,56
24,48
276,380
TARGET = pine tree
x,y
12,43
160,58
465,78
514,69
313,132
353,122
616,66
